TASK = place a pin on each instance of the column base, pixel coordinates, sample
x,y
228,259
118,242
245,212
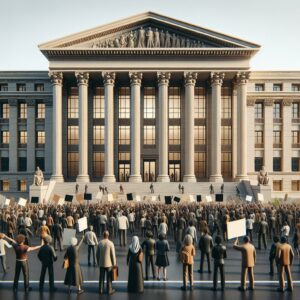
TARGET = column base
x,y
216,178
109,178
57,178
189,178
241,177
83,178
135,178
163,178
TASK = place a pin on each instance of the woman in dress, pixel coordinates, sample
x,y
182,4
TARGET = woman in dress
x,y
162,260
74,275
135,272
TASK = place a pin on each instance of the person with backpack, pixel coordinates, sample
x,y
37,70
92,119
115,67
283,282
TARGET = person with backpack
x,y
187,254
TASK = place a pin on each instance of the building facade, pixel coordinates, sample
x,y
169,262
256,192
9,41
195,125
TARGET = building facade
x,y
149,98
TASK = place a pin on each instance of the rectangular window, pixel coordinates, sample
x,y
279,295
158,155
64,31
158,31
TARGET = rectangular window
x,y
226,135
295,185
259,110
174,103
40,137
22,185
226,103
21,87
276,137
124,103
124,156
124,135
4,185
277,87
5,137
174,135
40,162
149,103
73,164
226,164
200,164
174,156
277,111
23,137
200,106
259,137
149,135
22,164
40,111
259,87
73,103
295,87
4,111
4,164
199,135
295,110
295,137
98,164
258,163
295,164
277,185
73,135
98,109
39,87
98,135
277,164
3,87
22,110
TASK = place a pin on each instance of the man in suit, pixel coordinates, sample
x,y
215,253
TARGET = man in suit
x,y
57,233
284,259
272,254
106,258
262,233
205,246
248,261
47,256
149,249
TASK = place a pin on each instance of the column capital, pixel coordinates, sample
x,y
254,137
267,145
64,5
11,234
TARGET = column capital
x,y
13,102
30,102
82,78
251,101
242,78
190,78
287,101
135,78
56,77
163,77
216,78
268,102
109,77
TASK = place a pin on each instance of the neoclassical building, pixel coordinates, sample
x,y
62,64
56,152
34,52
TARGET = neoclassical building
x,y
149,98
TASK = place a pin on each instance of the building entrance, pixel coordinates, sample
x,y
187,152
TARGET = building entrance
x,y
149,174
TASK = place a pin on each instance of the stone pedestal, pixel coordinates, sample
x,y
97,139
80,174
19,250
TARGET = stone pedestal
x,y
266,190
38,191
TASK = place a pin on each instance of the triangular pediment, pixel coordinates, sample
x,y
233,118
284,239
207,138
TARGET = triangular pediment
x,y
147,30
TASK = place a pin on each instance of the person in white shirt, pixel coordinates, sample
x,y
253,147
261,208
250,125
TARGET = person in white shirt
x,y
3,244
123,225
91,240
131,218
249,228
163,228
285,230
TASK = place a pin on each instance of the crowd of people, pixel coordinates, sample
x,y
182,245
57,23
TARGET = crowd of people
x,y
151,226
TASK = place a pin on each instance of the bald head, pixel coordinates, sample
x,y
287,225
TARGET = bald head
x,y
105,234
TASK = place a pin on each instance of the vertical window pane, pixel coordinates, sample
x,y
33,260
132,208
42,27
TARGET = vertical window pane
x,y
226,103
200,106
200,164
23,110
295,110
174,135
98,164
149,103
226,135
149,135
73,163
40,137
259,114
226,164
99,103
124,135
98,135
40,113
199,135
277,111
124,103
4,112
174,102
73,103
73,135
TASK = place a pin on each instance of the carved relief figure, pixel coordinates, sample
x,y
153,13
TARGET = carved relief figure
x,y
38,178
168,40
130,43
141,38
156,38
150,40
162,38
122,41
174,39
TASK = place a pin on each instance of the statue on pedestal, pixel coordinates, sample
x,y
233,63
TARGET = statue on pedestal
x,y
263,177
38,179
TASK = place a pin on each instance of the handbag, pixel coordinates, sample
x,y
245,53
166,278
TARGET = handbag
x,y
114,273
140,256
66,263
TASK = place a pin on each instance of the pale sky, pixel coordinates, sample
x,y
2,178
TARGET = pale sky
x,y
274,24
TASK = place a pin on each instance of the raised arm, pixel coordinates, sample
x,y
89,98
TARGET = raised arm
x,y
11,240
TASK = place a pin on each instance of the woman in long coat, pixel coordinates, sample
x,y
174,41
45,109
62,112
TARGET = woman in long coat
x,y
162,260
135,272
74,275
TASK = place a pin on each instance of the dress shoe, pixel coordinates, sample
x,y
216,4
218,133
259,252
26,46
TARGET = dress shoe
x,y
289,289
112,291
280,290
242,289
183,288
250,288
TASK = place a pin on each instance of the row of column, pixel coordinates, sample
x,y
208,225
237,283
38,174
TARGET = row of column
x,y
135,126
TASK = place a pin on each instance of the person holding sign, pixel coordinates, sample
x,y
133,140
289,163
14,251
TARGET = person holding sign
x,y
248,262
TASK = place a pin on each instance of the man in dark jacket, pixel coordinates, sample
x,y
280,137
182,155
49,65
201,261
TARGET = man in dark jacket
x,y
149,249
205,246
272,254
262,233
47,256
219,254
57,232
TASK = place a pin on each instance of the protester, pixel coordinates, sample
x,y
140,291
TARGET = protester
x,y
162,259
272,254
149,249
3,244
91,240
205,246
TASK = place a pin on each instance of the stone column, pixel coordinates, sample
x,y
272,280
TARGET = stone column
x,y
235,121
56,80
216,84
251,131
163,83
13,136
287,135
268,135
135,126
31,135
189,149
242,134
109,81
48,135
82,81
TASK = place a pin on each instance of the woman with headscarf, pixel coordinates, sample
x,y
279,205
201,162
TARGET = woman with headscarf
x,y
162,260
134,261
74,275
